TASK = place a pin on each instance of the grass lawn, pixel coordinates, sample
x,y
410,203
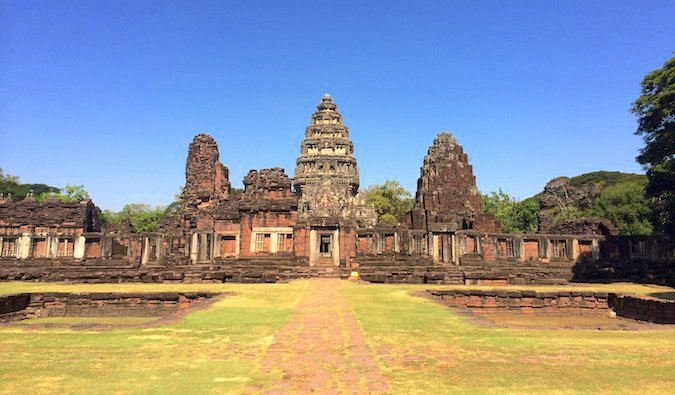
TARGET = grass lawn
x,y
421,346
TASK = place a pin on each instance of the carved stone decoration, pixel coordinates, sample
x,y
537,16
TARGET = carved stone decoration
x,y
326,175
447,196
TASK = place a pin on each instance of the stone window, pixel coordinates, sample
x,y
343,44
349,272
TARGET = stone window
x,y
559,249
8,247
419,246
65,248
285,242
506,248
381,243
639,248
39,248
262,242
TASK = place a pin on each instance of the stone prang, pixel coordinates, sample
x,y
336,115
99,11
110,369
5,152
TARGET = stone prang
x,y
446,190
206,180
326,174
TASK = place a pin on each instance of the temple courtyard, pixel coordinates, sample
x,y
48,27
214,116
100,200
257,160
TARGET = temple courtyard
x,y
333,336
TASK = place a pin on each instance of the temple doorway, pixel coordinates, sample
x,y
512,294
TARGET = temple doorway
x,y
324,246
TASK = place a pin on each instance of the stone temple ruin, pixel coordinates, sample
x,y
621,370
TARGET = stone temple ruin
x,y
317,224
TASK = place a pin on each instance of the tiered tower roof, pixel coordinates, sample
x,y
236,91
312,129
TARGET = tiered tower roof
x,y
326,152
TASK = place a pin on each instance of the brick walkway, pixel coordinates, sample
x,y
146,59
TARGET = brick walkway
x,y
322,349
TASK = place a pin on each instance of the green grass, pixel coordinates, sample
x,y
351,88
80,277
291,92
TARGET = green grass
x,y
212,351
421,346
424,348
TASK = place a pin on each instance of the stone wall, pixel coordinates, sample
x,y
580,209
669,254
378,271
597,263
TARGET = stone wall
x,y
576,303
643,309
37,305
526,302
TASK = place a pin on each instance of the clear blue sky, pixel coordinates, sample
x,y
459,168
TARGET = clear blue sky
x,y
110,93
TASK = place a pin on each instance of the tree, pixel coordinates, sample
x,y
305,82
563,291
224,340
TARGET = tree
x,y
10,185
655,109
391,201
626,205
514,215
67,194
141,217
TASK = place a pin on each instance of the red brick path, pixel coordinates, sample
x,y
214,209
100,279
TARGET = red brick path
x,y
322,348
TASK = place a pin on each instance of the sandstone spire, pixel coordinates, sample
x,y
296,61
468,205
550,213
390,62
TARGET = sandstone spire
x,y
446,189
326,152
326,176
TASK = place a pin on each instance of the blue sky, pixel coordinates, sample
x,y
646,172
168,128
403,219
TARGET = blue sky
x,y
110,93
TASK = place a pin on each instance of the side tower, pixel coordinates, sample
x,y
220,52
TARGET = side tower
x,y
206,183
447,198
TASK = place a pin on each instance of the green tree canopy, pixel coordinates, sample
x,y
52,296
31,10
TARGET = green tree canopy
x,y
391,201
12,185
655,109
141,217
67,194
515,216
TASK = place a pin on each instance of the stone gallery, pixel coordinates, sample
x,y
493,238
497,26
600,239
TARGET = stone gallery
x,y
318,224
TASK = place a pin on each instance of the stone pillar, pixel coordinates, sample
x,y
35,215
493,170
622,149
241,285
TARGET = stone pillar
x,y
23,246
159,248
453,244
194,247
595,249
274,242
254,236
203,247
575,249
397,242
106,246
237,245
145,254
79,244
446,248
336,247
313,248
520,245
434,248
54,247
218,244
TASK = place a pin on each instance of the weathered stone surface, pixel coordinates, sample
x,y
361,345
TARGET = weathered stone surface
x,y
49,213
206,191
447,195
268,190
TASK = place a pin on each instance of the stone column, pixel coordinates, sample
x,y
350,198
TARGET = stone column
x,y
446,248
194,247
575,249
453,245
397,242
336,247
159,248
595,249
434,248
79,244
23,246
313,248
145,254
274,242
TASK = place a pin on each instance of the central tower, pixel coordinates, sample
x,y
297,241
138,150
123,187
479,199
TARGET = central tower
x,y
326,154
327,183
